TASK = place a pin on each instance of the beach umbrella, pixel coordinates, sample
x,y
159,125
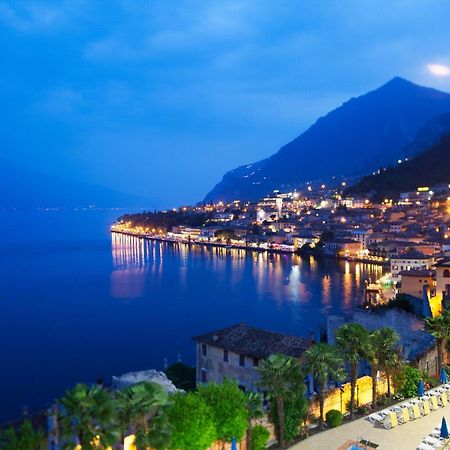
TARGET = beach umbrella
x,y
443,378
444,429
233,444
420,389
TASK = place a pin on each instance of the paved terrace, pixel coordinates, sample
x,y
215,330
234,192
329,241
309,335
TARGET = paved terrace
x,y
402,437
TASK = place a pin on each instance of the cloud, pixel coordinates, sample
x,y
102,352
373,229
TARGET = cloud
x,y
227,81
184,27
30,15
439,70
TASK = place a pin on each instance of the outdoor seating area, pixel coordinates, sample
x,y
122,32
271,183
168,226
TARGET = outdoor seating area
x,y
412,409
437,439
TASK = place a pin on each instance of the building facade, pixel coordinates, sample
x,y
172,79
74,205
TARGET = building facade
x,y
235,353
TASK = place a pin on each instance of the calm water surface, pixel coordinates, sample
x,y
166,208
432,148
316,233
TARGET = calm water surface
x,y
77,303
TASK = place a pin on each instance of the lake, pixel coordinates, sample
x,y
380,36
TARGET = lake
x,y
77,304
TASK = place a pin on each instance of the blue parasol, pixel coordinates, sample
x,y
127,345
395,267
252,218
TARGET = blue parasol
x,y
233,444
444,429
420,389
443,377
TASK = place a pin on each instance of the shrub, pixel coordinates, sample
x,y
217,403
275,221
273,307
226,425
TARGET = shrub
x,y
431,381
363,409
408,381
295,408
229,406
260,436
192,422
333,418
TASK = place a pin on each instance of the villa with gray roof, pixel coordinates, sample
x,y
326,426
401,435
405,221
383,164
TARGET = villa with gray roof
x,y
235,353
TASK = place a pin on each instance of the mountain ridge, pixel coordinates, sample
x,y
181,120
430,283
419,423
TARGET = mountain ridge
x,y
428,168
27,189
362,134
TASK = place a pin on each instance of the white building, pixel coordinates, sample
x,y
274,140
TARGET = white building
x,y
409,260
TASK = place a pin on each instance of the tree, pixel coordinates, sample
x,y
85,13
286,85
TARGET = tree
x,y
229,406
353,342
439,328
88,416
25,438
226,234
141,411
182,376
192,422
382,349
282,377
254,410
324,362
394,367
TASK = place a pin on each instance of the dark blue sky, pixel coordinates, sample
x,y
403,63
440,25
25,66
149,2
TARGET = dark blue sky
x,y
160,98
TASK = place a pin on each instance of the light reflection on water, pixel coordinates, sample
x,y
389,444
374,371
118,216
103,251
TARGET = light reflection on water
x,y
78,303
285,278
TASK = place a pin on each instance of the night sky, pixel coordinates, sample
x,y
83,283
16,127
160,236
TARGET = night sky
x,y
161,98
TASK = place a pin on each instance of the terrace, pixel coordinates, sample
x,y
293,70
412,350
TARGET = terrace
x,y
407,436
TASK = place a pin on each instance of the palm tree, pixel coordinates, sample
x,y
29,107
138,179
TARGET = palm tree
x,y
25,438
439,327
255,410
382,349
87,415
281,375
353,342
324,362
393,367
140,409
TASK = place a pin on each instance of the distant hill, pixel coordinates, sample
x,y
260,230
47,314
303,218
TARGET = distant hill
x,y
24,189
429,168
363,134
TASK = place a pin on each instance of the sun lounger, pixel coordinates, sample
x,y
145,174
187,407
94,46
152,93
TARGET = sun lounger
x,y
435,442
425,407
379,416
376,417
405,414
424,446
415,412
442,399
390,421
433,402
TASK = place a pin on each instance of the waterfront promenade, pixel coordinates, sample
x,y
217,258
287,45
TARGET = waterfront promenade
x,y
403,437
253,247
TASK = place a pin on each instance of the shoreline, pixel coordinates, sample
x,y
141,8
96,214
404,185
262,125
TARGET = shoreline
x,y
159,238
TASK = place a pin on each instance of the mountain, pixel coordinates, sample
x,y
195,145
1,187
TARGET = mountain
x,y
429,168
363,134
24,189
429,135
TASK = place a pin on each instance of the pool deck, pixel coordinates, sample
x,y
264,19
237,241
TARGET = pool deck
x,y
403,437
